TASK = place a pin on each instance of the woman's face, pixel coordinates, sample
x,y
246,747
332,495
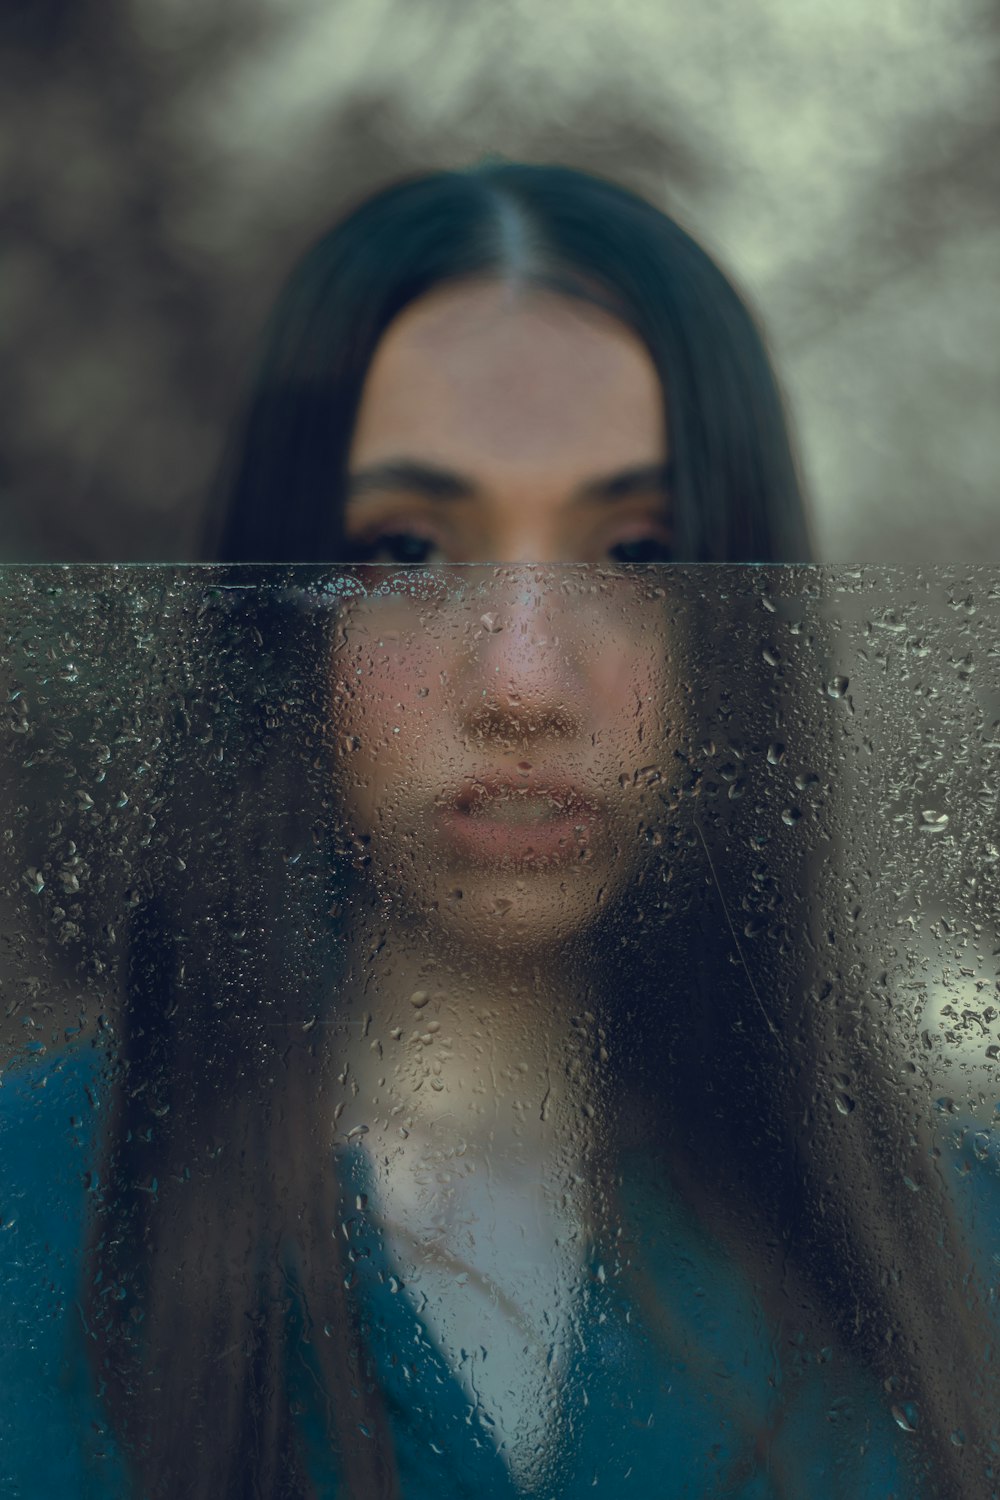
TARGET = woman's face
x,y
497,742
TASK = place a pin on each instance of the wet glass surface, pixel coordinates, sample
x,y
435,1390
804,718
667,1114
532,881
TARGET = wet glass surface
x,y
500,1030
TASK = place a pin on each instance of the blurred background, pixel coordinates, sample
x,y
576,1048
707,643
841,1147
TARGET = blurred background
x,y
164,162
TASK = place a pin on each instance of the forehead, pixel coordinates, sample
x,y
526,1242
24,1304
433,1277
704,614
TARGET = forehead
x,y
502,374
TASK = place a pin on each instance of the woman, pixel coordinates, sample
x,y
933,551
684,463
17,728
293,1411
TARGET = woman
x,y
450,836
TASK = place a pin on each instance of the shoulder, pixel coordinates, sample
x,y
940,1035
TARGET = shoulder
x,y
818,1415
970,1164
50,1110
39,1068
51,1105
970,1144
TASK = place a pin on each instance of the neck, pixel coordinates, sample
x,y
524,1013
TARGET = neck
x,y
492,1052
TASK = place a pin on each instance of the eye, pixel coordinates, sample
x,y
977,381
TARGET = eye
x,y
399,547
644,549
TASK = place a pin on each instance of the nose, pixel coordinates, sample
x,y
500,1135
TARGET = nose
x,y
524,676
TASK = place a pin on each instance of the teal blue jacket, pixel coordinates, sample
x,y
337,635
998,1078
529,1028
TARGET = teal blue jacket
x,y
759,1418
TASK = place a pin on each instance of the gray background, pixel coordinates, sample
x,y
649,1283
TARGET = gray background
x,y
163,161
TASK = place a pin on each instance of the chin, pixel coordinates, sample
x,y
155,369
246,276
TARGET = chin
x,y
505,917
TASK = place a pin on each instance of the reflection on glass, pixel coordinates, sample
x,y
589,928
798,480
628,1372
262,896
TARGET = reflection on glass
x,y
499,1029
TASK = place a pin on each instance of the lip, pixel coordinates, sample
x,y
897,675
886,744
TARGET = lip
x,y
464,818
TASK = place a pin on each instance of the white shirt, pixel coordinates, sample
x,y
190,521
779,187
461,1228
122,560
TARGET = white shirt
x,y
491,1249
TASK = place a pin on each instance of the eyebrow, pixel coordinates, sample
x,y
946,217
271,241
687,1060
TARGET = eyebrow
x,y
442,484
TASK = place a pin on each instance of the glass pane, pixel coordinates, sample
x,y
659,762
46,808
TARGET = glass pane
x,y
499,1031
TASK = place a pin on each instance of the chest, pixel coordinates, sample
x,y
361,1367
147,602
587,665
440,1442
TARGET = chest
x,y
545,1362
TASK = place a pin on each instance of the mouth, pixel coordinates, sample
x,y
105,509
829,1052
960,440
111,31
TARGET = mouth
x,y
523,798
524,818
516,810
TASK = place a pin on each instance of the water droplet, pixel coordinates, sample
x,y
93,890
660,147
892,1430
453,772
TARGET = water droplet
x,y
34,880
845,1104
491,623
419,999
791,815
775,753
837,686
933,822
906,1416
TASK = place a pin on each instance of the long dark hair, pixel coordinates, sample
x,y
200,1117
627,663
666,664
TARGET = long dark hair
x,y
738,495
234,946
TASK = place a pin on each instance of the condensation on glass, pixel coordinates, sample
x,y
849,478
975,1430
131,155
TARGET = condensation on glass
x,y
513,1030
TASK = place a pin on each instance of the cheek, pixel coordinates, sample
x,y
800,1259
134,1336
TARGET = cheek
x,y
387,698
628,688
